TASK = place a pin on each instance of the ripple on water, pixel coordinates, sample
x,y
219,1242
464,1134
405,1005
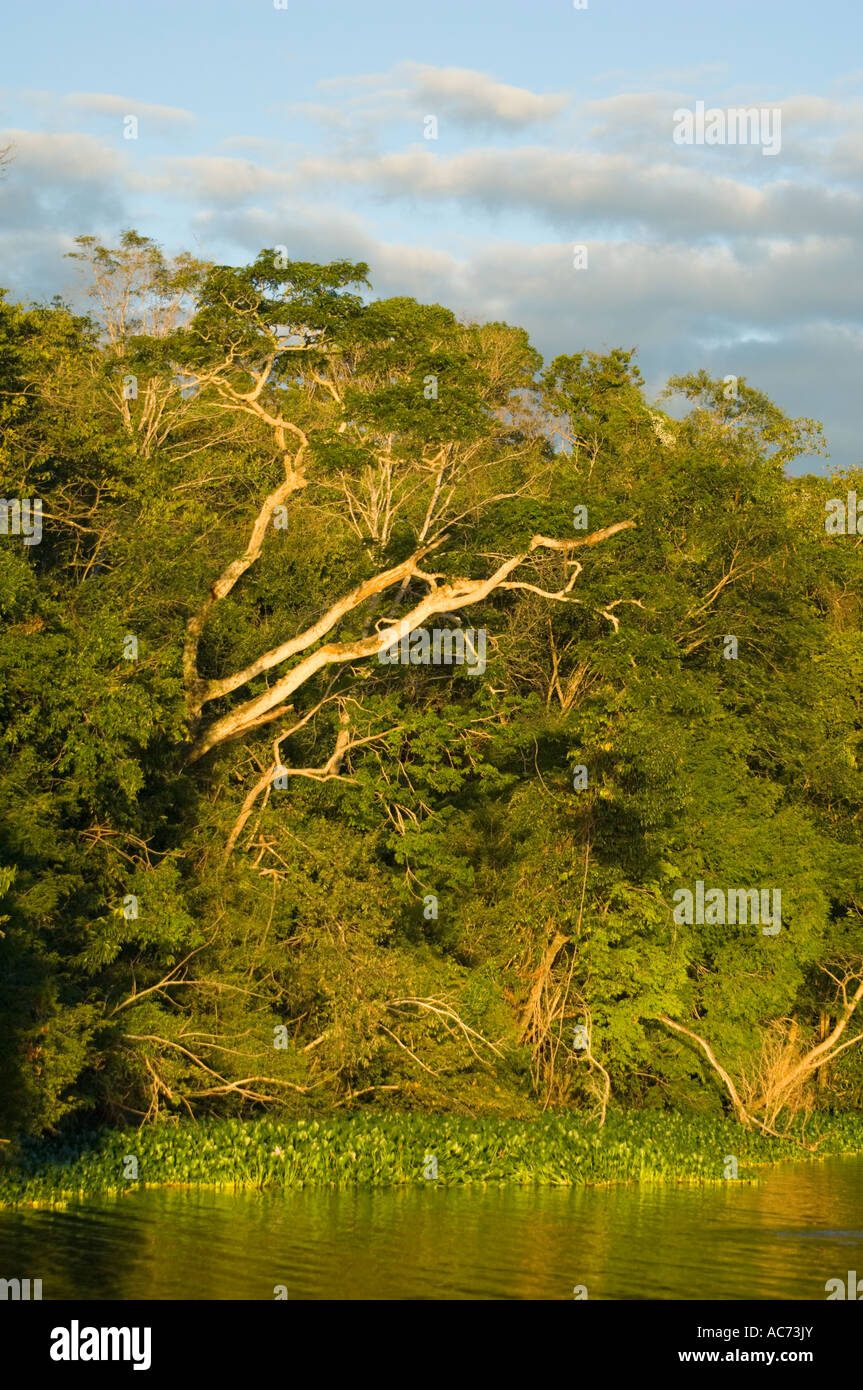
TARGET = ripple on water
x,y
782,1238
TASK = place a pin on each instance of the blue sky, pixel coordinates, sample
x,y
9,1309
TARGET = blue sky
x,y
305,127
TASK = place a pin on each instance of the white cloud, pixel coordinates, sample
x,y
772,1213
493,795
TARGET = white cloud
x,y
580,192
474,99
219,179
463,96
58,112
62,159
102,102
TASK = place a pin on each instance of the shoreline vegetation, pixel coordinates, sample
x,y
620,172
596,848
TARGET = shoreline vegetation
x,y
396,1150
249,868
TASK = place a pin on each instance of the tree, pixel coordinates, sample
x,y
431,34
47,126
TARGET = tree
x,y
292,338
244,863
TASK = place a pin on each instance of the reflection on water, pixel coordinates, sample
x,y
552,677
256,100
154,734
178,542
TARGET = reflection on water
x,y
782,1239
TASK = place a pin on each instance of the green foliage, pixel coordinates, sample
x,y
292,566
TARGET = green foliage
x,y
424,926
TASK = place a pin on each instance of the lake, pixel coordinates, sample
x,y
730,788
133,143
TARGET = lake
x,y
781,1239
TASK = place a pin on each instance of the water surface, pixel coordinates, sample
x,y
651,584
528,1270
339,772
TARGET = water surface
x,y
802,1225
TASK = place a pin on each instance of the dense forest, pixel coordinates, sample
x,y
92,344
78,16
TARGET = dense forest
x,y
376,696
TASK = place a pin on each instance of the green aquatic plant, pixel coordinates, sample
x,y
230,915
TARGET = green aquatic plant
x,y
394,1150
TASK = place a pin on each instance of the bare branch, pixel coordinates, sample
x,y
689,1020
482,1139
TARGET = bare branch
x,y
445,598
739,1107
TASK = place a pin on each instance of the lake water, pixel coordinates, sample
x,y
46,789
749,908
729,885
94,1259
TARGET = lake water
x,y
781,1239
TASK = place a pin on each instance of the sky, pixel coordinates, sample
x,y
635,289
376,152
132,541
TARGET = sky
x,y
307,126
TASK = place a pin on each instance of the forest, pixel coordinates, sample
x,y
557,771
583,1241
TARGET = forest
x,y
275,840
